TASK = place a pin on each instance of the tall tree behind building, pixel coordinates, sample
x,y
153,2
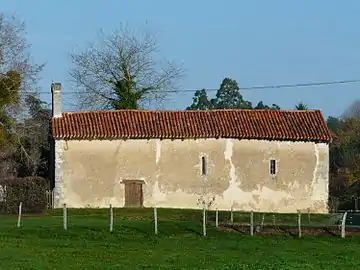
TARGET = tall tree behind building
x,y
120,71
228,96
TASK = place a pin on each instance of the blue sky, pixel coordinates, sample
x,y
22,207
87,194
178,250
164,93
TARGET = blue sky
x,y
255,42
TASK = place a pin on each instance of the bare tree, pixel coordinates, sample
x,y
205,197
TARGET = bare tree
x,y
121,71
18,77
15,54
32,159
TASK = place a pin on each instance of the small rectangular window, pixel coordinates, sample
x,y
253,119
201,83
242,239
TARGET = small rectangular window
x,y
203,166
272,166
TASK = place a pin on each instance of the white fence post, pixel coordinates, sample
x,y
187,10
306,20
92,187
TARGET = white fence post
x,y
343,225
111,218
309,215
19,215
217,218
65,217
274,219
262,220
204,221
155,220
252,223
299,223
231,215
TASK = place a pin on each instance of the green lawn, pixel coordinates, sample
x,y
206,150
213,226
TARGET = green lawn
x,y
41,243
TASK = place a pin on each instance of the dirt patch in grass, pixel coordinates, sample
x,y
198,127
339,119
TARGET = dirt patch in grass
x,y
272,230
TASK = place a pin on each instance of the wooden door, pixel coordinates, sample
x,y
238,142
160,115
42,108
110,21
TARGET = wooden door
x,y
133,194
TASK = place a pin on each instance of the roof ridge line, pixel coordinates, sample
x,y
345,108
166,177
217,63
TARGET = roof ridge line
x,y
193,111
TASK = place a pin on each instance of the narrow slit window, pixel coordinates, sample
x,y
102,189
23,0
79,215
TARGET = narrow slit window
x,y
272,166
203,166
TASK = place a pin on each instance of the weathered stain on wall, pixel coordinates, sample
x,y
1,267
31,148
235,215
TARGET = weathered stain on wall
x,y
91,173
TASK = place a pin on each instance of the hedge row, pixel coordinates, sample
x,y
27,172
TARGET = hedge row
x,y
31,191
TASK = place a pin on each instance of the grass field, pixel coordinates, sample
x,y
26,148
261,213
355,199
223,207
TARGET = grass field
x,y
41,243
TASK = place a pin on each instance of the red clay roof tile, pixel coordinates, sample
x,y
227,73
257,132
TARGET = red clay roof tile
x,y
294,125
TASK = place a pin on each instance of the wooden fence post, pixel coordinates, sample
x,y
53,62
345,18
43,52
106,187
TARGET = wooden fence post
x,y
111,219
231,215
343,225
251,223
19,215
217,218
155,220
204,221
299,223
65,217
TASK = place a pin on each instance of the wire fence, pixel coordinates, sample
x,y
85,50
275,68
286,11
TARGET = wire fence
x,y
343,216
203,221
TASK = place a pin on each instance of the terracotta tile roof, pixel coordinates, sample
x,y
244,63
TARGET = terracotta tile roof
x,y
243,124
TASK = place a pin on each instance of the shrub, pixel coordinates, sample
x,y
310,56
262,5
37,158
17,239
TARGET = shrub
x,y
31,191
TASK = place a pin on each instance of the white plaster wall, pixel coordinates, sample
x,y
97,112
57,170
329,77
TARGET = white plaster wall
x,y
238,175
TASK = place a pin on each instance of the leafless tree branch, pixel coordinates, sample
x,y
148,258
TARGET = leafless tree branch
x,y
15,57
15,53
125,54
